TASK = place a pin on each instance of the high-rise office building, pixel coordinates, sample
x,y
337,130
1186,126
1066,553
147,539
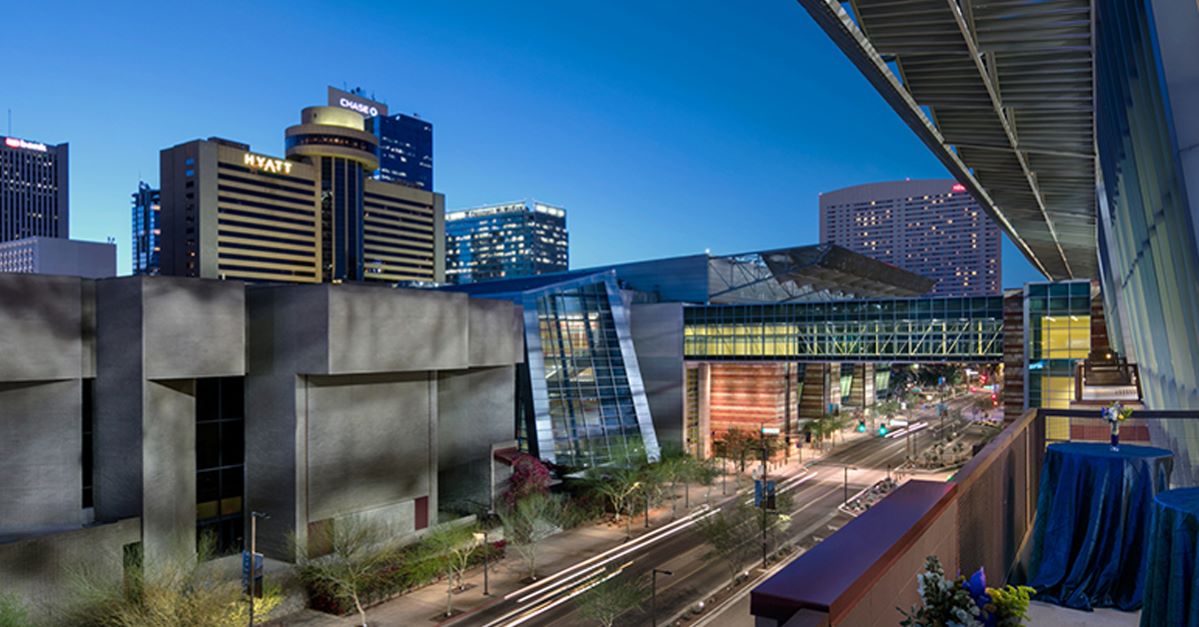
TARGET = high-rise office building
x,y
33,190
147,232
405,142
931,227
313,216
507,240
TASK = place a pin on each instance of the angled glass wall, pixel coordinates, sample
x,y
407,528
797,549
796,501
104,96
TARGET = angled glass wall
x,y
588,401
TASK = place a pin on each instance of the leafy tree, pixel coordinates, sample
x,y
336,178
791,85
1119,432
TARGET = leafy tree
x,y
529,476
610,599
530,521
982,404
454,545
183,592
735,533
741,444
359,550
701,471
618,487
731,534
670,471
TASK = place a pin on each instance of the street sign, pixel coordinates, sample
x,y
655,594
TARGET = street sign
x,y
940,380
770,431
245,573
764,494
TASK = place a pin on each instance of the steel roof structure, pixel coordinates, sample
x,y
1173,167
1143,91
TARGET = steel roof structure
x,y
1002,92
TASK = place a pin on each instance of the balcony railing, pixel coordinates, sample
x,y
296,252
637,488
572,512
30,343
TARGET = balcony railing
x,y
983,517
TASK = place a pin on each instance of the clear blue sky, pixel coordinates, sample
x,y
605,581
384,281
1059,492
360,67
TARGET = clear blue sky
x,y
663,127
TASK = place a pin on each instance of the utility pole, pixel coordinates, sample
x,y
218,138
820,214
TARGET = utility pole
x,y
653,593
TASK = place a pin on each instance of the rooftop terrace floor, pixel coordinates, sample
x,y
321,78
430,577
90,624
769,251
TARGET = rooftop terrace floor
x,y
1047,615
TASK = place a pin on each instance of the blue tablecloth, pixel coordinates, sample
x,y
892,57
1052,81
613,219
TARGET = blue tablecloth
x,y
1092,530
1172,581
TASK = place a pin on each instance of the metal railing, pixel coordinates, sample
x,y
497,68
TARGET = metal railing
x,y
982,517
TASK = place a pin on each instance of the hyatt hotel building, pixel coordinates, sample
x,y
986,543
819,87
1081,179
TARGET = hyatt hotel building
x,y
313,216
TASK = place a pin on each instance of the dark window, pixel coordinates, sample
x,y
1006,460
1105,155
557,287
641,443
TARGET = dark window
x,y
88,420
220,452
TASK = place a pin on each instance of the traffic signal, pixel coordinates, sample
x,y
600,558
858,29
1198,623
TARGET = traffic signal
x,y
882,428
861,425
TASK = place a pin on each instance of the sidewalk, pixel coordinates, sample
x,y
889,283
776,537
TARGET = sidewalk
x,y
426,606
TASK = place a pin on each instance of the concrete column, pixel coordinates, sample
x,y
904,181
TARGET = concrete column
x,y
861,391
433,449
705,410
168,472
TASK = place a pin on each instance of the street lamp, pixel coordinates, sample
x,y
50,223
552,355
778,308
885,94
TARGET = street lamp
x,y
653,593
254,516
847,469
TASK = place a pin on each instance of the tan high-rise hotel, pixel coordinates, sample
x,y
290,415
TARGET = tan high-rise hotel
x,y
313,215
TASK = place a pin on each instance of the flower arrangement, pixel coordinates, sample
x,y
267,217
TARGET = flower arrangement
x,y
965,602
1114,414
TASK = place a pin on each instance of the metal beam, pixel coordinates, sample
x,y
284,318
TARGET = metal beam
x,y
840,27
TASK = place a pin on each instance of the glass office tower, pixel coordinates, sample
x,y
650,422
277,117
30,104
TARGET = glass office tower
x,y
507,240
405,150
147,232
33,190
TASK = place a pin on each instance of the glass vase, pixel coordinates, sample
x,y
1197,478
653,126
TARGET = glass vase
x,y
1115,435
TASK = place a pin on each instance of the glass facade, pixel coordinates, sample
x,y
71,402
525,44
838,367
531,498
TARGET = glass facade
x,y
903,329
1147,216
147,233
405,150
588,400
520,239
220,458
341,219
1057,337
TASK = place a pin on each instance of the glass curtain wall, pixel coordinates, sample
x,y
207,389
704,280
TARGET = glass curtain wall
x,y
907,329
589,402
1058,337
1147,233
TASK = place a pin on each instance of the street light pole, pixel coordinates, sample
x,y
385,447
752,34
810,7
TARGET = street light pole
x,y
486,560
653,594
254,516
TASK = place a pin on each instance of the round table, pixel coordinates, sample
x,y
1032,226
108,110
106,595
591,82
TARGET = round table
x,y
1172,581
1089,545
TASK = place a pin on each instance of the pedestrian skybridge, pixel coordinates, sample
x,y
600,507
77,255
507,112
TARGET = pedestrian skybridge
x,y
928,329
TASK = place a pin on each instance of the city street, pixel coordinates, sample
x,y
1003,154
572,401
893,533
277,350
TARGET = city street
x,y
816,492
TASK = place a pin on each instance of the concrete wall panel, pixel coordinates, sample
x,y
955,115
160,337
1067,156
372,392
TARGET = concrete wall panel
x,y
657,332
39,570
496,333
477,408
40,466
368,441
40,327
193,328
395,330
